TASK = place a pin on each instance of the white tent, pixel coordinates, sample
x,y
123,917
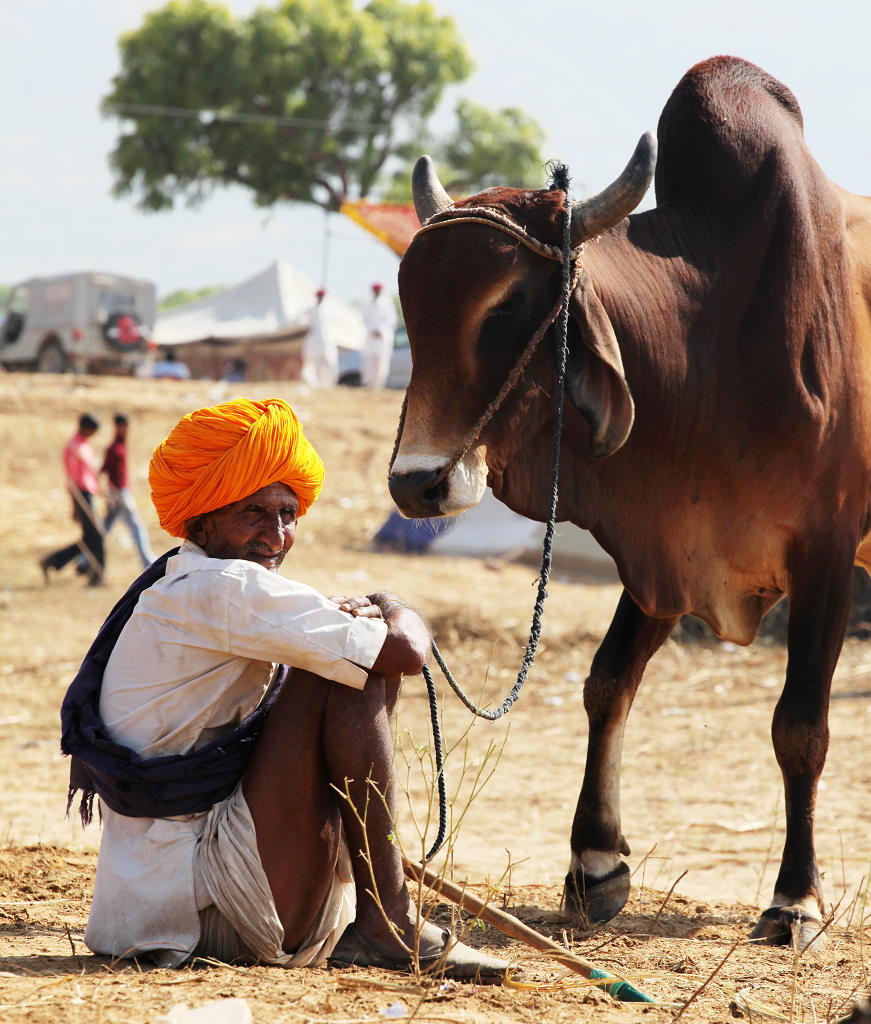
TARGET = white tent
x,y
274,302
491,530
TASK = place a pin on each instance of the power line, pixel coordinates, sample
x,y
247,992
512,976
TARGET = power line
x,y
207,117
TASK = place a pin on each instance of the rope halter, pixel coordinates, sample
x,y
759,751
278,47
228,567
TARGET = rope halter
x,y
501,222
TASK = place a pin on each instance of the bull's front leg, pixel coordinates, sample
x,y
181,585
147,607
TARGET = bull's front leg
x,y
597,885
819,607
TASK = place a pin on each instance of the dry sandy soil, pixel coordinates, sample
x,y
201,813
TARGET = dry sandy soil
x,y
702,803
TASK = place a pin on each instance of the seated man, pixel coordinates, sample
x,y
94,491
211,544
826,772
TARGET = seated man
x,y
210,849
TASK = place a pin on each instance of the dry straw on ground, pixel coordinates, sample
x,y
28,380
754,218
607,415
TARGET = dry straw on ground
x,y
702,803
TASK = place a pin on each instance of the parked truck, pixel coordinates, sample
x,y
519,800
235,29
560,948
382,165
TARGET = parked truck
x,y
87,322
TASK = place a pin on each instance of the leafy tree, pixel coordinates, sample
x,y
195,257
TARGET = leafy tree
x,y
487,148
492,148
303,102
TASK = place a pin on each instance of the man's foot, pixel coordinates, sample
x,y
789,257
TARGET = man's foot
x,y
43,564
452,960
95,581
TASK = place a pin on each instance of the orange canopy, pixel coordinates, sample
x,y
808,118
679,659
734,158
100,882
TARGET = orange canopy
x,y
394,223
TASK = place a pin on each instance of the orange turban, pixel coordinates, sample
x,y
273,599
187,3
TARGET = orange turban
x,y
213,457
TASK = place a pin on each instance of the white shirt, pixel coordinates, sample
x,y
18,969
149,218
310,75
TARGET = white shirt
x,y
379,316
320,357
195,659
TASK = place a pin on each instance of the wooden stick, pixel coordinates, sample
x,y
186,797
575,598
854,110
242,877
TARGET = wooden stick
x,y
516,929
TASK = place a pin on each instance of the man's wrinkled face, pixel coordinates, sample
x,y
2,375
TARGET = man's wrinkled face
x,y
260,528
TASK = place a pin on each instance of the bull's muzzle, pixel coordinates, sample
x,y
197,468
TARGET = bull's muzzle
x,y
420,494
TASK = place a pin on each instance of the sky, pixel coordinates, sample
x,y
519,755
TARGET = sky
x,y
595,76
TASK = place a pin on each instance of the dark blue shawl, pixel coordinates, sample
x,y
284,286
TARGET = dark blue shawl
x,y
157,787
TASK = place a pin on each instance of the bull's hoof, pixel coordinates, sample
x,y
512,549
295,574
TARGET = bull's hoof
x,y
596,900
790,926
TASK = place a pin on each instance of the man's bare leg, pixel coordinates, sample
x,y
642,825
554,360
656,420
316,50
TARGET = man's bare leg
x,y
296,815
321,733
358,743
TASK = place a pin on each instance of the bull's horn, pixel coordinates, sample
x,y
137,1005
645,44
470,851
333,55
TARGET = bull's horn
x,y
598,213
429,196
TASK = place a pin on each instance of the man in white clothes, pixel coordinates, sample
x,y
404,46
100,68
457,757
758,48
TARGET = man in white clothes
x,y
223,708
320,357
379,316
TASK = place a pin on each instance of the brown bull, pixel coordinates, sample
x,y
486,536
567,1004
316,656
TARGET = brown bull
x,y
717,442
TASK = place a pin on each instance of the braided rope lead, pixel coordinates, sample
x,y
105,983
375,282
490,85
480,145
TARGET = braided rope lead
x,y
560,179
439,764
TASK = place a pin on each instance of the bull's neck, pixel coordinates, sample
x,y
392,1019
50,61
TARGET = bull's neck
x,y
520,461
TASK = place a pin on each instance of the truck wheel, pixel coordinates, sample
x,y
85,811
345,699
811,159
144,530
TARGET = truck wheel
x,y
52,359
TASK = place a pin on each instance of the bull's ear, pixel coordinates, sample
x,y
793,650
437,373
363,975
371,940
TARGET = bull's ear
x,y
595,381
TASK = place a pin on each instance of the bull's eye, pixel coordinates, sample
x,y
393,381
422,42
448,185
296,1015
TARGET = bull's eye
x,y
509,307
506,327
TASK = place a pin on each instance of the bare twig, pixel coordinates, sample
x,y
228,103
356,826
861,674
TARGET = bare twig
x,y
72,944
668,897
795,930
862,956
708,980
644,860
366,854
507,892
855,902
767,860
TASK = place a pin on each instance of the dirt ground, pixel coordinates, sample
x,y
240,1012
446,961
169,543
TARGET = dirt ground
x,y
702,799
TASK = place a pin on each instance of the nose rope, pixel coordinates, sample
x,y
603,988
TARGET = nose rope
x,y
570,270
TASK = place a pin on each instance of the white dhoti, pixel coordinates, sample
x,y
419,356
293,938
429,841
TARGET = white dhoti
x,y
238,917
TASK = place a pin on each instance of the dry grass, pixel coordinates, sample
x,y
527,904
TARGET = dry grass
x,y
701,791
